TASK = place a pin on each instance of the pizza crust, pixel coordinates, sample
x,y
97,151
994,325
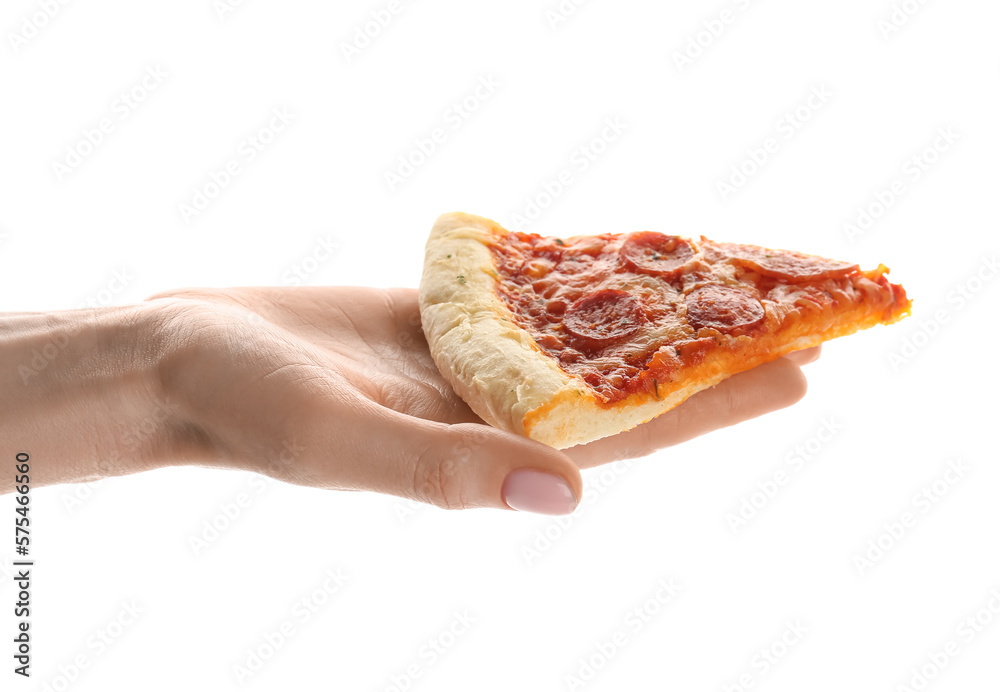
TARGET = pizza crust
x,y
494,365
510,382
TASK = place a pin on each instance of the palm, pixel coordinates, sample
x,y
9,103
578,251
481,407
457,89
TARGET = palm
x,y
372,335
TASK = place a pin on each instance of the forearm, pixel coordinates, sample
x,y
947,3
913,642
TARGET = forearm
x,y
80,393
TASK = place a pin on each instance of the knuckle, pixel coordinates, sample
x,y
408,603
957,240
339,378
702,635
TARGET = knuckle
x,y
436,480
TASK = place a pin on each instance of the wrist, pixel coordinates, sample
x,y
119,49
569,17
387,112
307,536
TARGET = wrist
x,y
83,394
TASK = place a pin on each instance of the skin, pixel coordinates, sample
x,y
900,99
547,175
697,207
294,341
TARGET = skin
x,y
327,387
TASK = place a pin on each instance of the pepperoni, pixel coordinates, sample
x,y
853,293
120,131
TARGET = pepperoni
x,y
723,308
602,318
786,265
655,253
570,296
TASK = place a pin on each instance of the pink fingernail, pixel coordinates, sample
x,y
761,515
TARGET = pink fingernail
x,y
528,490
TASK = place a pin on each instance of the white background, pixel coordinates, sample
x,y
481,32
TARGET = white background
x,y
538,617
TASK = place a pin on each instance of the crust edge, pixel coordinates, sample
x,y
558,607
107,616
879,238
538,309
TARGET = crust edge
x,y
472,337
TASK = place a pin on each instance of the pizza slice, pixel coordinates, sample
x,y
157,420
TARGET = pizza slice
x,y
570,340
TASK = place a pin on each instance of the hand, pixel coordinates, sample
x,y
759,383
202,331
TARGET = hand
x,y
344,377
335,388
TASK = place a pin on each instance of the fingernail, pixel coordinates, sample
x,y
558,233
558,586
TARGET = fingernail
x,y
528,490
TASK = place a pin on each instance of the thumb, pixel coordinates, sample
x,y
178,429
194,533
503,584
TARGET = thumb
x,y
469,465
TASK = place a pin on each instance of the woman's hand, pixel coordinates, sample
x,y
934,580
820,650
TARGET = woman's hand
x,y
328,387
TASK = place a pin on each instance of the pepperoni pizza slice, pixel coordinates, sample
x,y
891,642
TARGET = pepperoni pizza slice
x,y
570,340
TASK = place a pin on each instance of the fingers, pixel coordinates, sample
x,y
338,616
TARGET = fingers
x,y
805,356
457,466
747,395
